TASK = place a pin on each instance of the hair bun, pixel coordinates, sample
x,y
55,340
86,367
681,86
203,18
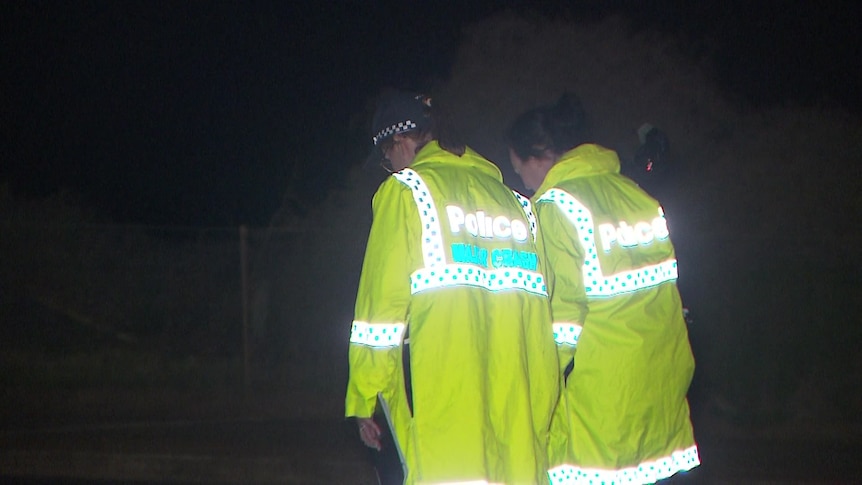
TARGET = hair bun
x,y
568,111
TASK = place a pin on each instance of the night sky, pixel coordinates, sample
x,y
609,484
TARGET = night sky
x,y
201,113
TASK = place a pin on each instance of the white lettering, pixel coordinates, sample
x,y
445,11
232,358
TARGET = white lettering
x,y
480,224
642,233
626,235
609,234
471,224
519,230
484,225
502,227
456,217
659,228
488,229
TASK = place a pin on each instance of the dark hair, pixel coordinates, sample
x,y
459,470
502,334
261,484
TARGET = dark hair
x,y
556,128
442,129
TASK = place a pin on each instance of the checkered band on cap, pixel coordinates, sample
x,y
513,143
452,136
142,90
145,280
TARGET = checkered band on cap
x,y
399,127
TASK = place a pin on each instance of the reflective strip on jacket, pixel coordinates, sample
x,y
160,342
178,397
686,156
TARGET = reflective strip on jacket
x,y
623,415
452,253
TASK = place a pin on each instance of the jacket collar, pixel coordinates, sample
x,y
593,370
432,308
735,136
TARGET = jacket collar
x,y
582,161
432,153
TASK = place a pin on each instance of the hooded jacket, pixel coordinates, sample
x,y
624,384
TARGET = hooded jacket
x,y
618,322
453,255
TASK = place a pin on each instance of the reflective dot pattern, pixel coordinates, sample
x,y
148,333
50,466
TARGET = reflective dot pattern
x,y
432,238
437,274
646,472
379,335
528,210
596,284
471,275
567,333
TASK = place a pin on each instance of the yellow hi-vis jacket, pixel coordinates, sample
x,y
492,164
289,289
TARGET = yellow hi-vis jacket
x,y
452,254
623,415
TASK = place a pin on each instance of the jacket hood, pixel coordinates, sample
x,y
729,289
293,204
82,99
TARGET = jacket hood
x,y
582,161
433,153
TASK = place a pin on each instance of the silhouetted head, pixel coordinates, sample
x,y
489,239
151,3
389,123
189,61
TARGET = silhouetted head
x,y
539,136
403,123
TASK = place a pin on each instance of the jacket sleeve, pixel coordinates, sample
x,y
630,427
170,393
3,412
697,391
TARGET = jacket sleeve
x,y
382,300
564,256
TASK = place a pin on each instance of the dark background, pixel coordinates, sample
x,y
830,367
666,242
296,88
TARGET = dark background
x,y
214,113
138,136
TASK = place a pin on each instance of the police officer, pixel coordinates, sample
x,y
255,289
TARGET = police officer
x,y
618,319
453,266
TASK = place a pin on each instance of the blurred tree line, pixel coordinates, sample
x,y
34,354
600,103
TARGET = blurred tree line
x,y
77,291
73,281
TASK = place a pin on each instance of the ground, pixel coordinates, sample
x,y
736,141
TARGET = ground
x,y
228,436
